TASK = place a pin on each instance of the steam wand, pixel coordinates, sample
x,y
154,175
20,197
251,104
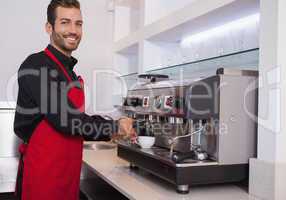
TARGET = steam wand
x,y
172,141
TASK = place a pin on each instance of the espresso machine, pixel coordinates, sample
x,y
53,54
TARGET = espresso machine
x,y
204,129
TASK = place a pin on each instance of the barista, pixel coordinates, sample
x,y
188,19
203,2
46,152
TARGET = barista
x,y
50,117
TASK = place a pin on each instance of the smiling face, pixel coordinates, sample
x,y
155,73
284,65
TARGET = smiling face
x,y
67,31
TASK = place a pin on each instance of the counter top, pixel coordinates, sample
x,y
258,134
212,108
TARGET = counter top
x,y
140,185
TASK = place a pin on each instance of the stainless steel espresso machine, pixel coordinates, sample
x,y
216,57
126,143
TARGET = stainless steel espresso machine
x,y
205,130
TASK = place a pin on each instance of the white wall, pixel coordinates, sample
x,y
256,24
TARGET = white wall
x,y
95,54
22,33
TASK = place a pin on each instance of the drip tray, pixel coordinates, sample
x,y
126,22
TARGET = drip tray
x,y
163,155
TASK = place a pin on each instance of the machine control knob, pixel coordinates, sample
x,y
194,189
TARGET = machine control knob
x,y
200,154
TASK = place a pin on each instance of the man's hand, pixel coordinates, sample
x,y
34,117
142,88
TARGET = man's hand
x,y
125,129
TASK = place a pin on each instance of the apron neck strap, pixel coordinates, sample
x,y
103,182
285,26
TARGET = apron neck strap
x,y
59,64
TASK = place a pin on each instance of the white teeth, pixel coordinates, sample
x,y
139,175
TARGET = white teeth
x,y
72,39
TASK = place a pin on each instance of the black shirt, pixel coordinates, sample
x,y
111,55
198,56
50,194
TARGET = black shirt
x,y
43,94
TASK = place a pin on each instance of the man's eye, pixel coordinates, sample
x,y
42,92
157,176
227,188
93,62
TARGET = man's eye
x,y
64,22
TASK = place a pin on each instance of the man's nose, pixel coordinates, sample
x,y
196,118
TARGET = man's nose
x,y
73,29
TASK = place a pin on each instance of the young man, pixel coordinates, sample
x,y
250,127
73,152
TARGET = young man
x,y
50,116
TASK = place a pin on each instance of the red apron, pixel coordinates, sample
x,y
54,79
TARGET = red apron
x,y
52,160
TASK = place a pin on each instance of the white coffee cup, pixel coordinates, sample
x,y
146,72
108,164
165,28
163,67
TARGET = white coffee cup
x,y
146,141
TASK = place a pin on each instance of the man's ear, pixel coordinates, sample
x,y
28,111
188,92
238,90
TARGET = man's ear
x,y
49,28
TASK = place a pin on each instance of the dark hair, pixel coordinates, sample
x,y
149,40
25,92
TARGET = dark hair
x,y
54,4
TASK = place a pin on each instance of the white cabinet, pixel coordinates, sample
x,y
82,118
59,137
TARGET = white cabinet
x,y
8,148
8,139
8,174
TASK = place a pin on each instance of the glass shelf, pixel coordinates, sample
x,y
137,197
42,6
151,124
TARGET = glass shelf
x,y
202,68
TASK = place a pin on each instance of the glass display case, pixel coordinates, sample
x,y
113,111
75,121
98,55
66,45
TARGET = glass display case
x,y
248,59
130,79
202,68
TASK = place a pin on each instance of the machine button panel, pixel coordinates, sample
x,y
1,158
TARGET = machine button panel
x,y
145,102
169,102
157,102
133,101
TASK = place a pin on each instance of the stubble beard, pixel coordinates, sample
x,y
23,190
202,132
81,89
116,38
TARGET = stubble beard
x,y
59,41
